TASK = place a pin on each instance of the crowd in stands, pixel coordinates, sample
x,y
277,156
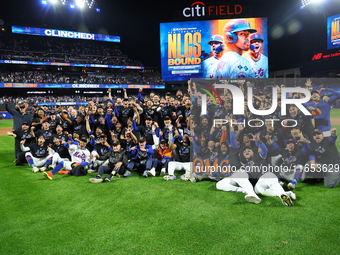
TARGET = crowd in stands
x,y
155,135
42,49
126,77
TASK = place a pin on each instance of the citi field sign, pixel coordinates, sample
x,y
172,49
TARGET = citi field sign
x,y
200,9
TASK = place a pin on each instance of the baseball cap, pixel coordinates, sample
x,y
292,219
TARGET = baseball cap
x,y
317,131
45,120
167,118
52,113
162,141
25,123
290,141
148,118
115,143
142,140
35,106
22,106
83,139
256,36
216,38
102,136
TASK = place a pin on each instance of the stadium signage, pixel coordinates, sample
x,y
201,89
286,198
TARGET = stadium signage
x,y
200,9
69,34
318,56
238,100
64,34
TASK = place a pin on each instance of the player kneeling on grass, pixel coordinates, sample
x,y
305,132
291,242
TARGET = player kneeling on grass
x,y
37,154
267,183
117,160
80,157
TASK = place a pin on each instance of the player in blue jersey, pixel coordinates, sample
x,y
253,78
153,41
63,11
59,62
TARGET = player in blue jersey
x,y
257,60
323,121
232,64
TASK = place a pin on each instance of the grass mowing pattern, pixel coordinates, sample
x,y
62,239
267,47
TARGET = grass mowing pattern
x,y
70,215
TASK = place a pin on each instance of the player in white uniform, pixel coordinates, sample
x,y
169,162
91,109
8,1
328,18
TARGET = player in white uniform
x,y
80,155
232,64
217,48
257,60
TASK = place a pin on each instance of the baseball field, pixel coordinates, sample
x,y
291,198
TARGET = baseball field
x,y
70,215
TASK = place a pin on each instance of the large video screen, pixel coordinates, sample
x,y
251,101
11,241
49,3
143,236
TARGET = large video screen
x,y
64,34
214,49
333,32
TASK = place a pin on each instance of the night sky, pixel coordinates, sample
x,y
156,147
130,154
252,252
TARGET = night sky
x,y
137,22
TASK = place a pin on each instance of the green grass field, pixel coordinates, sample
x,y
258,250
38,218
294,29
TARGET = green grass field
x,y
70,215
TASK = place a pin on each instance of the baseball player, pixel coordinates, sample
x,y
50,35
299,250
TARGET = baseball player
x,y
232,64
79,156
324,158
37,154
257,60
267,183
217,48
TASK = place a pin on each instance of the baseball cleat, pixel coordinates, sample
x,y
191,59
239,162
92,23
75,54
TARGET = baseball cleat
x,y
96,180
91,171
252,198
169,177
163,172
152,172
291,186
291,194
127,173
48,175
35,169
286,200
43,169
145,174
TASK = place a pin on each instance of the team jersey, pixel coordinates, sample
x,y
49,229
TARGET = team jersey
x,y
182,152
208,65
78,155
232,65
101,149
47,134
259,67
61,150
38,151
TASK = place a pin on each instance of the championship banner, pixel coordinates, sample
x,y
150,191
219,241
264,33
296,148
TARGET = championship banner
x,y
262,126
194,49
64,34
24,62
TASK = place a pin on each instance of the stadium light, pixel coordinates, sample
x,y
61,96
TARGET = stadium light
x,y
44,2
80,3
307,2
53,1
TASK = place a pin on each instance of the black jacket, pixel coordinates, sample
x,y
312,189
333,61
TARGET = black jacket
x,y
115,157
